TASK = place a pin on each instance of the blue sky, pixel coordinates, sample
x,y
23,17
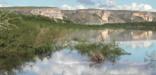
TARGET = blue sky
x,y
122,4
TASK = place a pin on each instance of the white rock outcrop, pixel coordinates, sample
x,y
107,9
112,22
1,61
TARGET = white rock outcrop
x,y
144,16
48,12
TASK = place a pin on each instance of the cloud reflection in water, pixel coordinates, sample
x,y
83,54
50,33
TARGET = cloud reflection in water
x,y
66,62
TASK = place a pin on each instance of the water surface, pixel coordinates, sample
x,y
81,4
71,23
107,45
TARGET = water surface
x,y
141,44
142,61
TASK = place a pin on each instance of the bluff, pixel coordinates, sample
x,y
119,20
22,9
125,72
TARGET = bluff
x,y
88,16
97,16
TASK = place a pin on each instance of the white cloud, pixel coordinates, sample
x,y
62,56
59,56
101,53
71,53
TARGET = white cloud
x,y
68,7
111,4
136,6
148,7
66,62
3,5
132,6
80,7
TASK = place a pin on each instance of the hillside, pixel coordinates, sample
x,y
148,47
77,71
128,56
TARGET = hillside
x,y
89,16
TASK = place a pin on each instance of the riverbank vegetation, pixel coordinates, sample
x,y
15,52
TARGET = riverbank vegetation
x,y
22,37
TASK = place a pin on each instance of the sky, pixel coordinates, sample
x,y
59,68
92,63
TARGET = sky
x,y
82,4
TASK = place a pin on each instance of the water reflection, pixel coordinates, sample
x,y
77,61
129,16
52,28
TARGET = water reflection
x,y
66,62
138,49
141,45
111,34
126,35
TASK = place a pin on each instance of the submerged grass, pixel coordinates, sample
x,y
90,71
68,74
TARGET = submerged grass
x,y
100,52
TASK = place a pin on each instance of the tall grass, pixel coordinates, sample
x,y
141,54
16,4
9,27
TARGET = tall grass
x,y
100,52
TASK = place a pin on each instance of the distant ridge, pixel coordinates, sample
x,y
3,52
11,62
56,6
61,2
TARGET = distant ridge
x,y
88,16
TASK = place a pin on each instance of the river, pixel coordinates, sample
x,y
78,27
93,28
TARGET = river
x,y
140,43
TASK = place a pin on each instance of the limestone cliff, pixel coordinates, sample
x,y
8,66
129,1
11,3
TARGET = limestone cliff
x,y
95,16
48,12
89,16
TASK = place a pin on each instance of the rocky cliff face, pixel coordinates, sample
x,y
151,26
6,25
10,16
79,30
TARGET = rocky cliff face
x,y
48,12
94,16
43,11
91,16
88,16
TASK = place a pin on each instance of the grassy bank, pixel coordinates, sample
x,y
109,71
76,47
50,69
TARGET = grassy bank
x,y
23,37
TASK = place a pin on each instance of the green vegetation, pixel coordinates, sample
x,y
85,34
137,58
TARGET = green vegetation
x,y
23,37
133,26
100,52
